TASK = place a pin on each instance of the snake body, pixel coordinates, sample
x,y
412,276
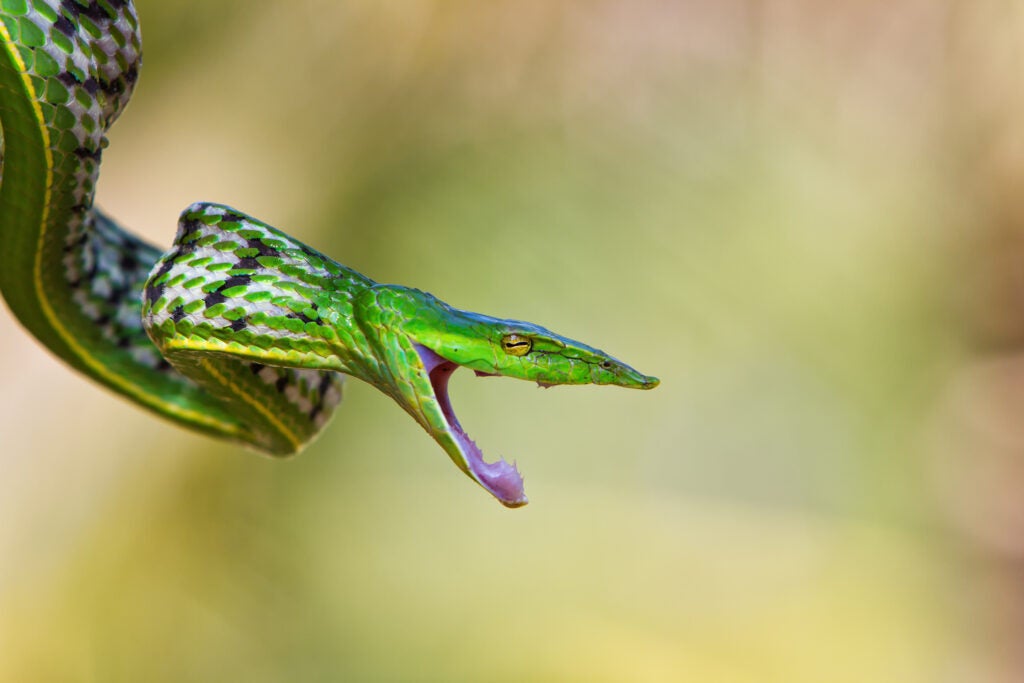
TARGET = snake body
x,y
239,330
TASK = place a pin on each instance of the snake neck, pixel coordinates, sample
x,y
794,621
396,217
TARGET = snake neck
x,y
231,280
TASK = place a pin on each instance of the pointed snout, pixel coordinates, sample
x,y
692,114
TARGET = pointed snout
x,y
649,382
631,379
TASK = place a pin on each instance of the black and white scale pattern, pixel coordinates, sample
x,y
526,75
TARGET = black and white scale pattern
x,y
88,52
218,278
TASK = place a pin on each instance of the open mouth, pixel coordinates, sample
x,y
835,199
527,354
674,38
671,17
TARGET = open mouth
x,y
501,478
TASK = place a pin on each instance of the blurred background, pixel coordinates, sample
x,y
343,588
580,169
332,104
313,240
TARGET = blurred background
x,y
804,217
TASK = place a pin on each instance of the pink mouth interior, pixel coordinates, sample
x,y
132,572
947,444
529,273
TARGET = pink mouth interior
x,y
500,478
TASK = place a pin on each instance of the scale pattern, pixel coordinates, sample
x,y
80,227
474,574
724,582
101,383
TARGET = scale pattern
x,y
242,280
235,284
82,59
106,269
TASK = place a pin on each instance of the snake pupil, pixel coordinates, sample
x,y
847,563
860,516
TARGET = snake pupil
x,y
516,345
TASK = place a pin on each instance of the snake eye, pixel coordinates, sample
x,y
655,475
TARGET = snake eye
x,y
607,364
516,344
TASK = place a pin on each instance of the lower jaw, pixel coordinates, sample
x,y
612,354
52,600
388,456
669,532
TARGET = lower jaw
x,y
500,478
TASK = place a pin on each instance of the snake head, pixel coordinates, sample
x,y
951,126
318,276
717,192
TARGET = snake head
x,y
421,341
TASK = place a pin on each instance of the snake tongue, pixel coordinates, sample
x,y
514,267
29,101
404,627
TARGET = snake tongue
x,y
501,478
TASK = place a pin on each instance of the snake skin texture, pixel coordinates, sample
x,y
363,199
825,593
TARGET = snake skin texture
x,y
81,60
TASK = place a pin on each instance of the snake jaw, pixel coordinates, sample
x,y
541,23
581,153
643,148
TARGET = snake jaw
x,y
500,478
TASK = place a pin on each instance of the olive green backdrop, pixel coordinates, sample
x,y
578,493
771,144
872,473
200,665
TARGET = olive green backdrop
x,y
787,210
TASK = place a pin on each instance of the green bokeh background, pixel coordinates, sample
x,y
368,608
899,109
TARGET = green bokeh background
x,y
775,206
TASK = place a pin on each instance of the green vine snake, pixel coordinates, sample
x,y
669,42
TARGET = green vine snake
x,y
239,331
